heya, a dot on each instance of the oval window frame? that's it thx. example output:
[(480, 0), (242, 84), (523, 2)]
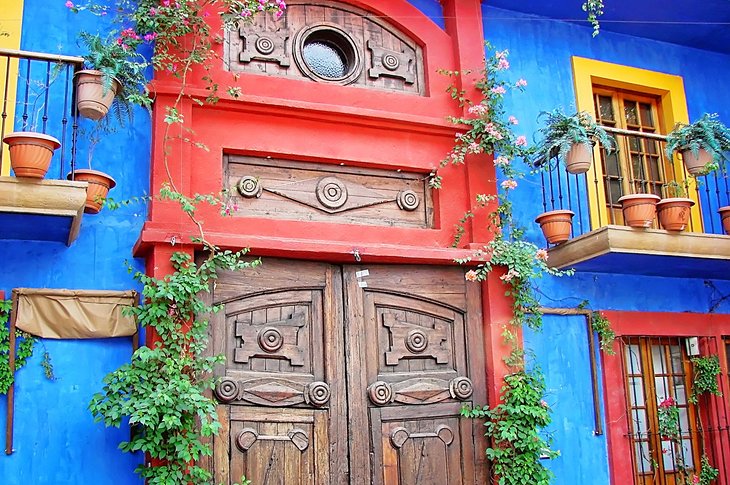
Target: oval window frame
[(344, 42)]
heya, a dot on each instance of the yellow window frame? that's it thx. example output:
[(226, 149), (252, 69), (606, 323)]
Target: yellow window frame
[(11, 24), (673, 106)]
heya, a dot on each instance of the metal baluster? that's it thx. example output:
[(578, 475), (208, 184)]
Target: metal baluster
[(4, 114), (25, 99), (47, 88), (552, 189), (542, 181)]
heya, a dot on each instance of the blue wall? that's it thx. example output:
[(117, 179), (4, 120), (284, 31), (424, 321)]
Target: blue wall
[(540, 51), (56, 439)]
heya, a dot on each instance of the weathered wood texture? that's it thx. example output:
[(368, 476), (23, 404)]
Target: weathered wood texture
[(302, 191), (386, 58), (374, 393)]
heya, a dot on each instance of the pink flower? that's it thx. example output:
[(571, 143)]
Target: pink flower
[(498, 90), (667, 403), (503, 64), (501, 161), (150, 37), (474, 147), (521, 83), (165, 3), (695, 479), (543, 404), (471, 275), (510, 274), (513, 120), (459, 136), (478, 109), (501, 54), (521, 141), (69, 4), (509, 184), (153, 11), (541, 254)]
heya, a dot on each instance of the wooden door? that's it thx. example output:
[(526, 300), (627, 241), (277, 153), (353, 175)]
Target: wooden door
[(335, 376)]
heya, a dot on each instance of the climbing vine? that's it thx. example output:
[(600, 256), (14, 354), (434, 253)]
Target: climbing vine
[(24, 344), (606, 335), (515, 425), (705, 371), (594, 9)]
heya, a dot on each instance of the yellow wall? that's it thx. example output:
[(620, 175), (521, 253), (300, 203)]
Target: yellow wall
[(11, 20), (669, 88)]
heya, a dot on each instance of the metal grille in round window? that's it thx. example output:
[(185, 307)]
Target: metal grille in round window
[(326, 53)]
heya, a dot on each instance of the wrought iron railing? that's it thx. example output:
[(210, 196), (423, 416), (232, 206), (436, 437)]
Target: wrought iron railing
[(639, 165), (38, 95)]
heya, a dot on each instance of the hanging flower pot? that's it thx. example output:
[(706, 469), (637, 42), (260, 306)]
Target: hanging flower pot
[(92, 99), (99, 186), (674, 213), (579, 158), (556, 225), (30, 152), (639, 209), (725, 216), (695, 164)]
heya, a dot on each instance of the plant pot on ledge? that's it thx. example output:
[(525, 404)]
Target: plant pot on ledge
[(30, 152), (725, 216), (99, 186), (674, 213), (639, 209), (556, 225), (93, 99)]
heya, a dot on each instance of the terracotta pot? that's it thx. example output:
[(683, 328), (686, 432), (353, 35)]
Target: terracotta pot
[(639, 209), (91, 100), (579, 158), (674, 213), (30, 153), (556, 225), (725, 216), (99, 186), (696, 164)]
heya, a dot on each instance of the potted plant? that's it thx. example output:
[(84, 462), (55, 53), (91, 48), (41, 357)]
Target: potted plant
[(674, 210), (556, 225), (701, 143), (725, 217), (99, 182), (639, 210), (571, 137), (114, 76)]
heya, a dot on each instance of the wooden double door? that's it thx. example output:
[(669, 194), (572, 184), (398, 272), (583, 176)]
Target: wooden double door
[(348, 375)]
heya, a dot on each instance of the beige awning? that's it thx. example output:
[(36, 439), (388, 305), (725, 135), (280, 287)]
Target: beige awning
[(74, 314)]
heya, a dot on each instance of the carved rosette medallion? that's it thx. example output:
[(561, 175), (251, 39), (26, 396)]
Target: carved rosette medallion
[(249, 187), (226, 390), (317, 393), (265, 45), (461, 388), (380, 393), (270, 339), (408, 200), (331, 192), (416, 341), (390, 62)]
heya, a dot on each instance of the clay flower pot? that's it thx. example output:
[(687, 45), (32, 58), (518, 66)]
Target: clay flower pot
[(725, 216), (579, 158), (556, 225), (30, 153), (674, 213), (99, 186), (91, 100), (696, 164), (639, 209)]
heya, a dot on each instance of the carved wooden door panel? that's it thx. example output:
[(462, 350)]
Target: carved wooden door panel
[(335, 377), (282, 390), (415, 355)]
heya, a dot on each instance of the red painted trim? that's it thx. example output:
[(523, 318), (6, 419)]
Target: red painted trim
[(657, 324)]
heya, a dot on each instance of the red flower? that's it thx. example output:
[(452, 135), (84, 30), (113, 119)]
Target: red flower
[(667, 403)]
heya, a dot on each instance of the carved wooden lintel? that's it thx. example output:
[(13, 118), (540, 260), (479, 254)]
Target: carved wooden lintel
[(400, 435), (420, 390), (272, 392), (264, 46), (387, 62), (248, 436)]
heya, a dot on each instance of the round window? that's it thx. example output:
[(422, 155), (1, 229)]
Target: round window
[(326, 53)]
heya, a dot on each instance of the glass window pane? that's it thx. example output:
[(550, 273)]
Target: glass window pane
[(611, 164), (683, 421), (635, 144), (647, 119), (680, 394), (640, 423), (687, 450), (651, 147), (643, 458), (662, 389), (630, 113), (636, 391), (675, 352), (653, 166), (633, 361), (638, 169), (616, 192), (605, 108), (668, 455)]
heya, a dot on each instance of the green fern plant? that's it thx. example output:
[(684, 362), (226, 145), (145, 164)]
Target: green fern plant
[(118, 61), (707, 133), (561, 131)]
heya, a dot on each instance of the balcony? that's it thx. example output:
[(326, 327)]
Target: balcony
[(38, 95), (600, 242)]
